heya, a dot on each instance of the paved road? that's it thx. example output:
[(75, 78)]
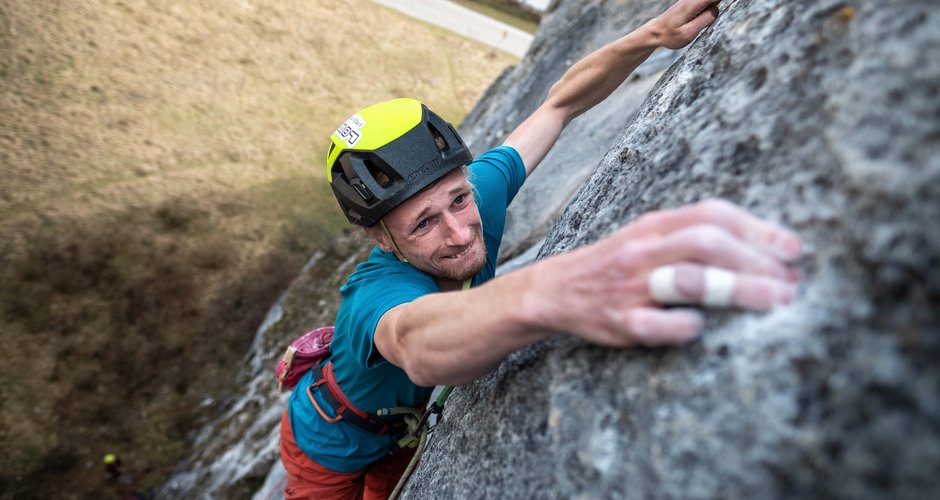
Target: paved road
[(465, 22)]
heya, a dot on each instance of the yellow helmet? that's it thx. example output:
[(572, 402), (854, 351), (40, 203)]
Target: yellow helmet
[(387, 152)]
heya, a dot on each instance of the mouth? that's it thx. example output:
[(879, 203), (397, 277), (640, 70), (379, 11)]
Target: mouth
[(462, 253)]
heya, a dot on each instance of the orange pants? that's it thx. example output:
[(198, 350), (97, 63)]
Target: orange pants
[(308, 479)]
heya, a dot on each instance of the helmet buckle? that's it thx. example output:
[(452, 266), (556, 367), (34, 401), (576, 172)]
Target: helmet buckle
[(361, 188)]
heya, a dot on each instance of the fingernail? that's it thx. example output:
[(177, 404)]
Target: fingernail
[(789, 246)]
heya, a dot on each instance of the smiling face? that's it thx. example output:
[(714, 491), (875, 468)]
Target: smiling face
[(439, 230)]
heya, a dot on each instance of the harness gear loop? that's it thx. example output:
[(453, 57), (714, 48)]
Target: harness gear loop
[(325, 380)]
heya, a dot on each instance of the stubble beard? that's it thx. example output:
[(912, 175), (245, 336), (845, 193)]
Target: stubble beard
[(470, 270)]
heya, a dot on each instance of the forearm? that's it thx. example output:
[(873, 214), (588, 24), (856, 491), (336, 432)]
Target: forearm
[(457, 337), (593, 78), (596, 76), (587, 83)]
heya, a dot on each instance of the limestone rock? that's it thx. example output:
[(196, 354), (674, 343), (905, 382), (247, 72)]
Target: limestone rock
[(821, 114), (565, 35)]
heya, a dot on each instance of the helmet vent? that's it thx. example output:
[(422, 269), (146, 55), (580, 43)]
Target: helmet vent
[(332, 147), (438, 138), (381, 178)]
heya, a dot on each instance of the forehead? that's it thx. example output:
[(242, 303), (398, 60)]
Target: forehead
[(438, 193)]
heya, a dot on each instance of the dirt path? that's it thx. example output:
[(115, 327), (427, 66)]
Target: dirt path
[(465, 22)]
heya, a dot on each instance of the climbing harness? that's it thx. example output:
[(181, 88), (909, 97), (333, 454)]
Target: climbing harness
[(410, 423), (325, 380)]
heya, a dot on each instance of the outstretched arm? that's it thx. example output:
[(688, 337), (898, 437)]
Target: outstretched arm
[(607, 293), (596, 76)]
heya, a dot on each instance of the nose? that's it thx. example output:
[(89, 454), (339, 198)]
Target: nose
[(456, 232)]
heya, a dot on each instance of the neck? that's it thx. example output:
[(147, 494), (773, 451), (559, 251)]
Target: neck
[(451, 285), (448, 285)]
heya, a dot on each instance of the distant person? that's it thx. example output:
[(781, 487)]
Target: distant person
[(425, 309), (113, 466)]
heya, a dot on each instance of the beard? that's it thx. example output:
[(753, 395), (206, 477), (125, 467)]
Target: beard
[(470, 268)]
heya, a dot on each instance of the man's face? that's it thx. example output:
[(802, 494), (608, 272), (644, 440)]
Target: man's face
[(439, 229)]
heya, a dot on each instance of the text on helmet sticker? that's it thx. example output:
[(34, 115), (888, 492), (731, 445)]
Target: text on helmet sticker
[(350, 131)]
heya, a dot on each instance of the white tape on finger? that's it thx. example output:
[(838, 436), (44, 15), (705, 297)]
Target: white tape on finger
[(662, 285), (719, 287)]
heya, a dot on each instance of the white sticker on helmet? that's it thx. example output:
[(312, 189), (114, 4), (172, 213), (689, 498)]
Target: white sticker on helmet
[(350, 131)]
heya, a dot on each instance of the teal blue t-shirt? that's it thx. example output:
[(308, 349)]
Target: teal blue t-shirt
[(377, 285)]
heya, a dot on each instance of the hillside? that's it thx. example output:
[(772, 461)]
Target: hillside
[(161, 185)]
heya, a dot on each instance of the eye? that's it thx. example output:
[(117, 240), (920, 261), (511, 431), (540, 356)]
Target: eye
[(422, 225), (460, 200)]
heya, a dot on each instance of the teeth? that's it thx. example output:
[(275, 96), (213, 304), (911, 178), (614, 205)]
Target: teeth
[(461, 254)]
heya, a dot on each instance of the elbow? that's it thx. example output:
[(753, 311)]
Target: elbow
[(419, 372), (413, 359)]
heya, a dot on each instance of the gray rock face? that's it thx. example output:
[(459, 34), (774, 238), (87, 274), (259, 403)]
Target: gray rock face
[(821, 114), (566, 35)]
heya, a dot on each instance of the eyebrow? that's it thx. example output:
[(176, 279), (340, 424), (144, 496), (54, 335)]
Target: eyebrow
[(453, 192)]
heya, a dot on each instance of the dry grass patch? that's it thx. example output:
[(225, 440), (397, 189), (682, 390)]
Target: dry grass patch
[(162, 181)]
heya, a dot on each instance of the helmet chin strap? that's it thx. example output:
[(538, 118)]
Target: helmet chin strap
[(401, 256), (398, 253)]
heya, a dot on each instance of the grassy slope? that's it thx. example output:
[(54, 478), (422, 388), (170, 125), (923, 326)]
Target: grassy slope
[(161, 183)]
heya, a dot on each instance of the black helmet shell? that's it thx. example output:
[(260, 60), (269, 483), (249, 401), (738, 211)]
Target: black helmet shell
[(384, 154)]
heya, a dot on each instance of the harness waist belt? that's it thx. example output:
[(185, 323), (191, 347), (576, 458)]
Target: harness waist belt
[(343, 407)]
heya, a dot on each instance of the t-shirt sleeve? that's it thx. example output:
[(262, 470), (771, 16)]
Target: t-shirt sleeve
[(497, 175), (371, 296)]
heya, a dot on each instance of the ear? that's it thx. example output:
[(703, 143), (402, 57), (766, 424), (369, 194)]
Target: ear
[(376, 234), (382, 241)]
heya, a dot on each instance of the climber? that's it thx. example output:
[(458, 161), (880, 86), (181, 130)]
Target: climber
[(113, 466), (425, 309)]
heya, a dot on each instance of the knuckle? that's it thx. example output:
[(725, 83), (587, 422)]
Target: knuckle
[(651, 219), (715, 208), (636, 252), (708, 239)]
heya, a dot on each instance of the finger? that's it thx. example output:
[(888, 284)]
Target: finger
[(773, 238), (701, 21), (653, 327), (714, 287), (713, 245), (691, 8)]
